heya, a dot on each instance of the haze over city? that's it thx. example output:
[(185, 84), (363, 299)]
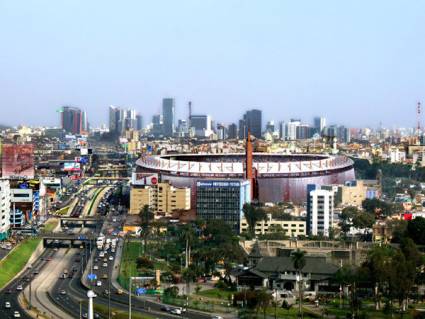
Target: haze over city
[(358, 63)]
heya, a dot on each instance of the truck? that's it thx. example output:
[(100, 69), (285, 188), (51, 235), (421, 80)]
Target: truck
[(100, 241)]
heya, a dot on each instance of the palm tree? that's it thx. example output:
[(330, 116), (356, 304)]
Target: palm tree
[(298, 260), (146, 216), (187, 234)]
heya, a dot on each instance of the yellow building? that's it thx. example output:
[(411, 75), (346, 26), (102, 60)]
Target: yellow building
[(162, 198), (293, 228), (353, 195)]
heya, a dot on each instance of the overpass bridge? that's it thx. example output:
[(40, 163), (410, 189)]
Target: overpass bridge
[(55, 240), (74, 222)]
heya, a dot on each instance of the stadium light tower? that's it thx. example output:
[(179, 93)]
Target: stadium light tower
[(90, 295)]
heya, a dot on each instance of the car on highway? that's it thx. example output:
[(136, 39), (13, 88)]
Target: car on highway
[(19, 288), (105, 260), (176, 311), (7, 305), (216, 317), (95, 267), (62, 292), (105, 265), (99, 283), (16, 314), (165, 308), (105, 276), (111, 258)]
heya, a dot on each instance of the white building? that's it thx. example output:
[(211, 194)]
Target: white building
[(4, 209), (291, 129), (320, 212), (397, 156)]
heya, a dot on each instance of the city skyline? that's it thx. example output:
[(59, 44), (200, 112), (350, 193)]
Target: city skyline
[(349, 62)]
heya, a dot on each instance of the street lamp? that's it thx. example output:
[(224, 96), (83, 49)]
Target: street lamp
[(90, 295)]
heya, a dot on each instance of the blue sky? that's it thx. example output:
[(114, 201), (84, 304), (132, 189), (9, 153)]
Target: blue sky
[(356, 62)]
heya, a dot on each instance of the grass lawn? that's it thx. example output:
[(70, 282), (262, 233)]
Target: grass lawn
[(16, 260), (215, 293), (50, 225), (62, 211), (131, 250)]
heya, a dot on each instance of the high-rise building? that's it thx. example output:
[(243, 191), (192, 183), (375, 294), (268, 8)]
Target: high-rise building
[(139, 122), (4, 209), (340, 132), (168, 110), (282, 130), (222, 199), (72, 120), (270, 127), (157, 125), (232, 131), (319, 124), (291, 129), (201, 125), (320, 210), (252, 121), (121, 120), (303, 132), (162, 198)]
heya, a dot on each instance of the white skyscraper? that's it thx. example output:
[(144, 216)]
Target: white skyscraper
[(321, 209), (291, 129)]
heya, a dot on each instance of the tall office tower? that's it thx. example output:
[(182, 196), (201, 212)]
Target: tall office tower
[(201, 125), (157, 125), (182, 128), (221, 131), (232, 131), (291, 129), (168, 110), (71, 120), (223, 200), (114, 117), (4, 209), (84, 122), (282, 130), (319, 124), (139, 122), (320, 209), (252, 120), (303, 132), (270, 127)]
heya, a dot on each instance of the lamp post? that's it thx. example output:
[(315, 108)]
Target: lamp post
[(90, 295)]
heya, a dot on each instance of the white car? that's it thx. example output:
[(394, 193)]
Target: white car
[(176, 311), (99, 283), (105, 265), (19, 288), (95, 267), (111, 257), (7, 305), (16, 314)]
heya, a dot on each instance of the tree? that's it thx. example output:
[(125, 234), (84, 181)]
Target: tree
[(187, 234), (416, 230), (263, 300), (299, 261), (253, 215), (346, 218), (363, 220), (146, 216)]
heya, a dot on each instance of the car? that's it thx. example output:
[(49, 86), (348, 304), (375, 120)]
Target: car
[(19, 288), (165, 308), (85, 315), (9, 291), (111, 257), (99, 283), (216, 317), (105, 265), (176, 311), (106, 292), (7, 305), (62, 292), (105, 259), (119, 292), (95, 267), (105, 276), (16, 314)]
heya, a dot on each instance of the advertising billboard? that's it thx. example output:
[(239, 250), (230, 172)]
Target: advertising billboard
[(18, 161), (144, 179), (71, 166)]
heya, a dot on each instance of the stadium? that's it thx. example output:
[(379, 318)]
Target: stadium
[(279, 177)]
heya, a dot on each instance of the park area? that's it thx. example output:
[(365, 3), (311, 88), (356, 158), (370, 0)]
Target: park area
[(15, 261)]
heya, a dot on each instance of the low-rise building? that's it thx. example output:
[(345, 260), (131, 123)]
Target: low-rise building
[(292, 228)]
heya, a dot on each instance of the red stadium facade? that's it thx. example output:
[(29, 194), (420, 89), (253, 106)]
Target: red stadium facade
[(278, 177)]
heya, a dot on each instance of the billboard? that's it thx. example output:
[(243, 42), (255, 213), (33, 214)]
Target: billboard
[(144, 179), (18, 161), (71, 166)]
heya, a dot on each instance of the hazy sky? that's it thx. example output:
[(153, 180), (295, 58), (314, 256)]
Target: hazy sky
[(355, 62)]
